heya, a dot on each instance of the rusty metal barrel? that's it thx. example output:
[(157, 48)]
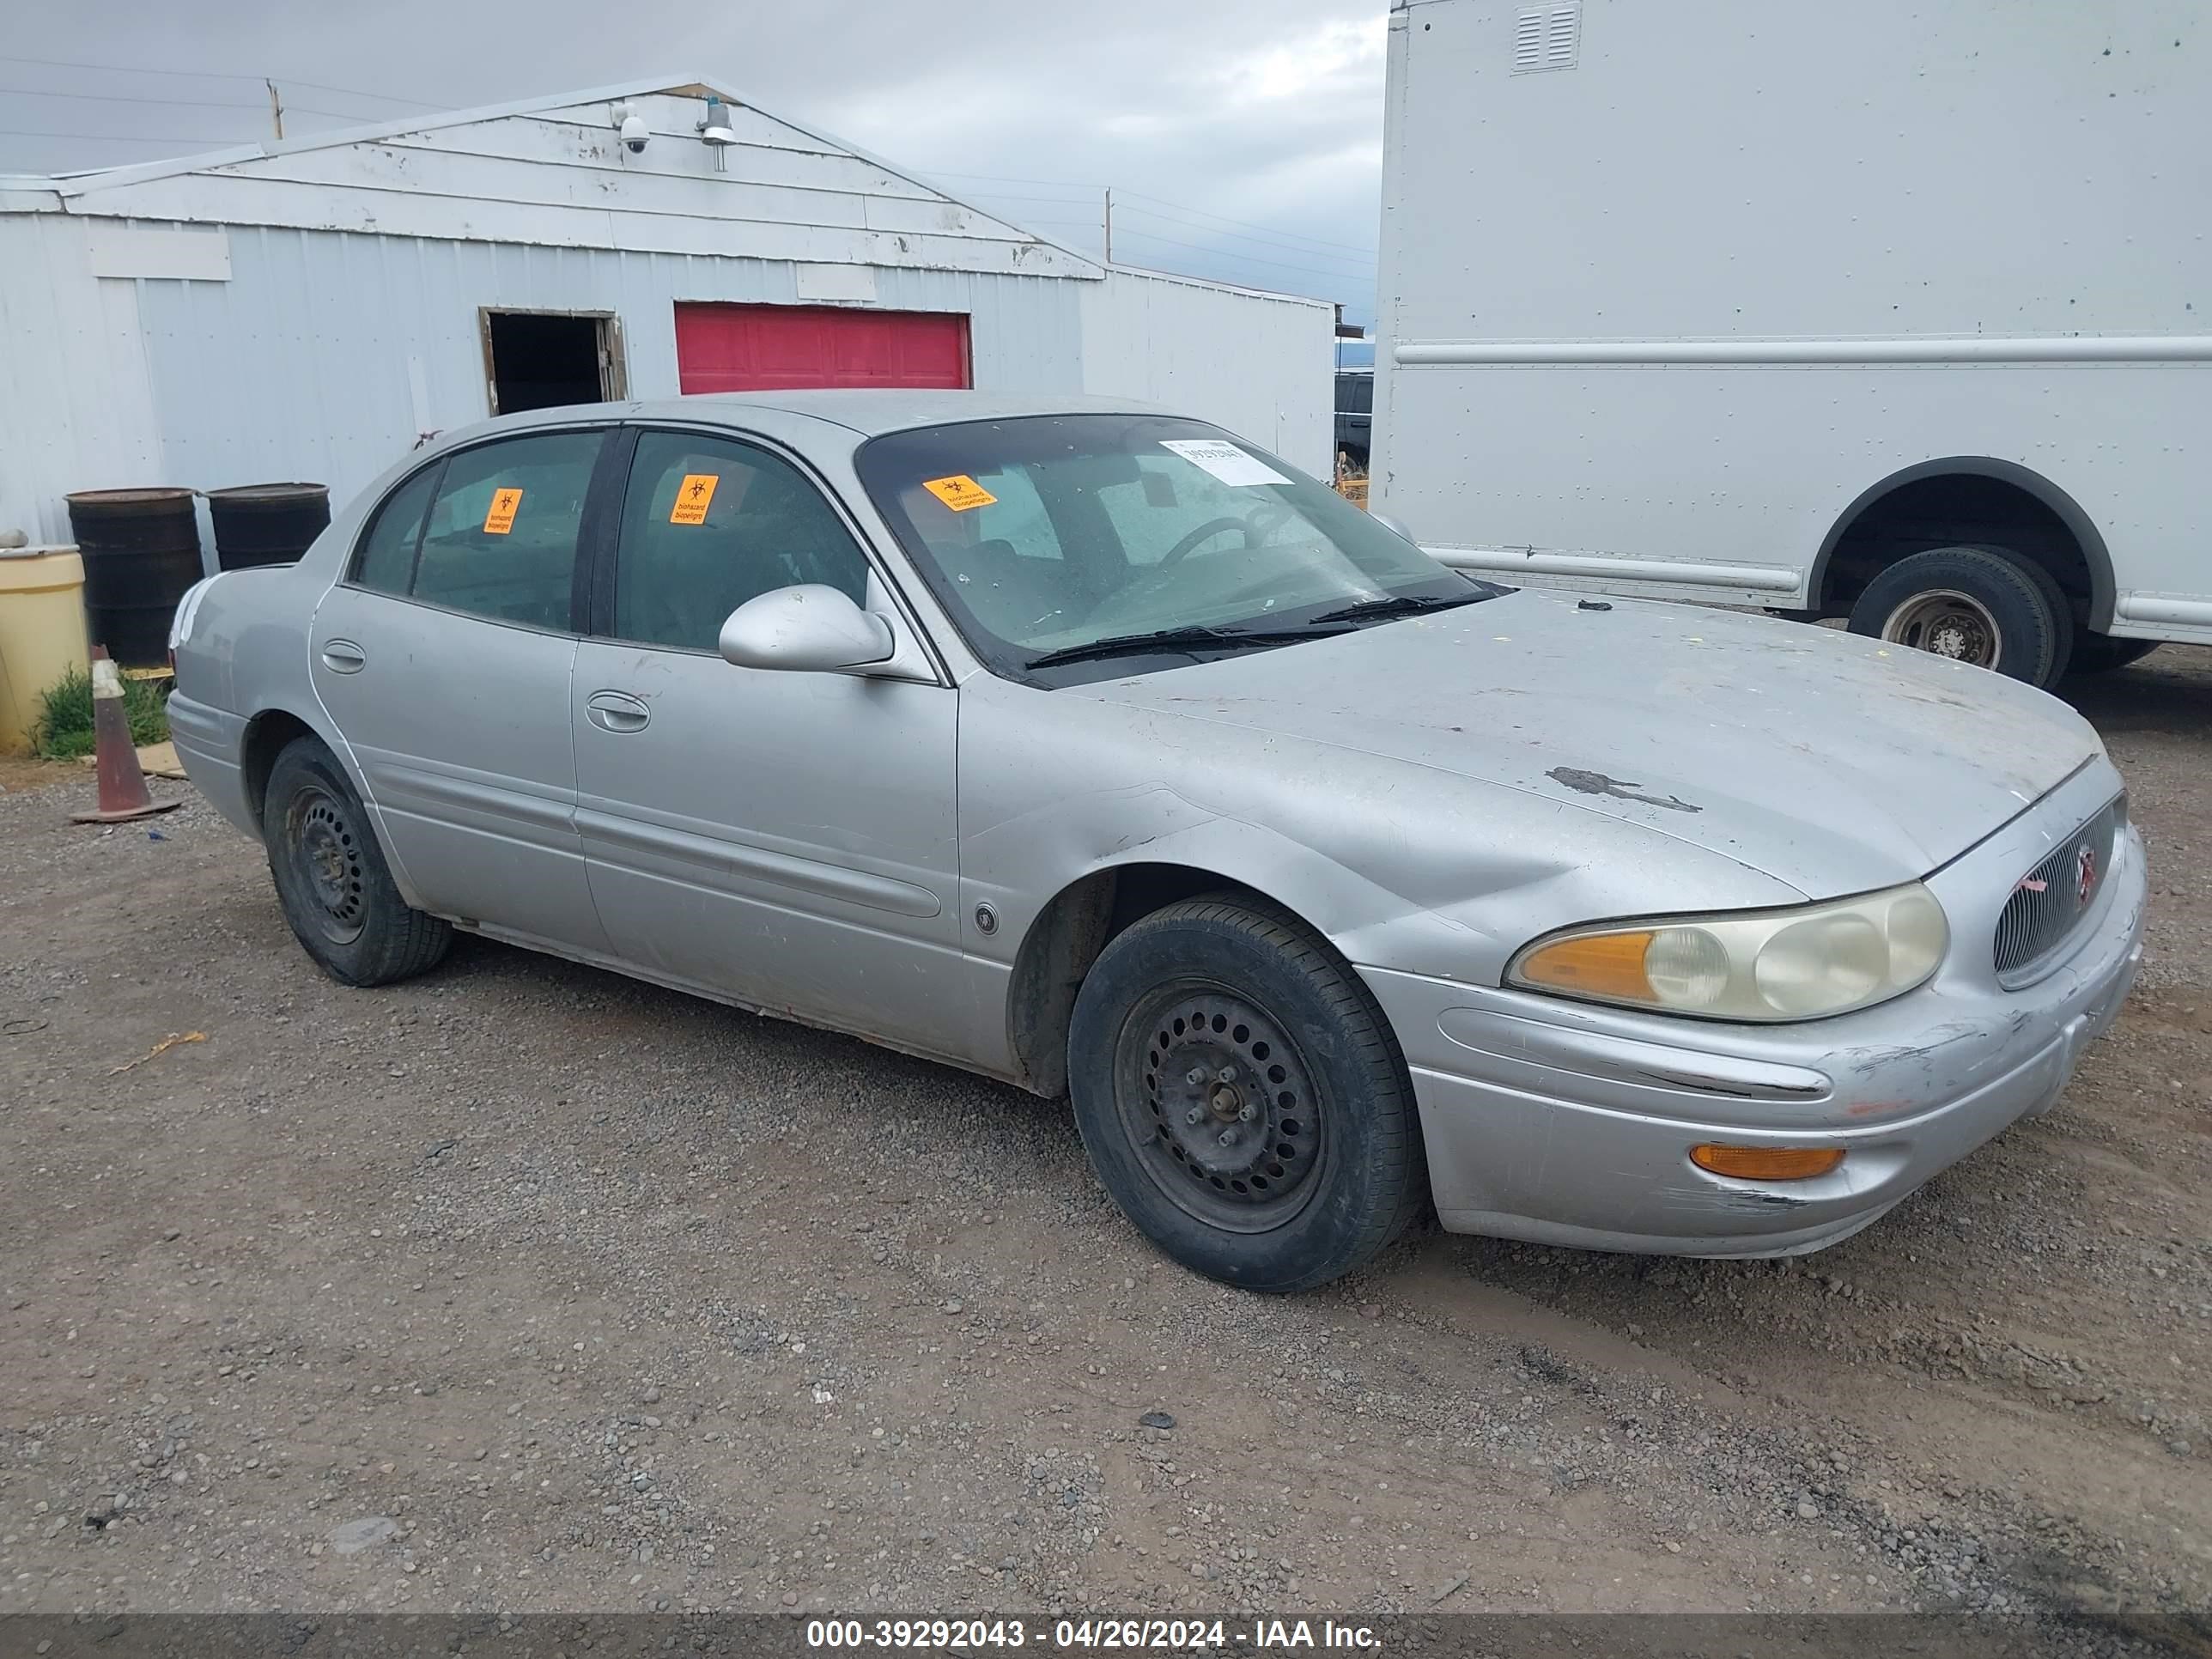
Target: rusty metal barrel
[(141, 551), (266, 524)]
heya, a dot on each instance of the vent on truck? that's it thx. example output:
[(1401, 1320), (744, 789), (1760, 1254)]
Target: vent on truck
[(1546, 37)]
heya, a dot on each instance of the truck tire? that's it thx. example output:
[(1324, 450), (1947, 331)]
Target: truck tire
[(332, 882), (2100, 653), (1983, 605), (1241, 1096)]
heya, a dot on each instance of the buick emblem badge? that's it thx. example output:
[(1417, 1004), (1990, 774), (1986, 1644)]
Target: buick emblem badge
[(2085, 868)]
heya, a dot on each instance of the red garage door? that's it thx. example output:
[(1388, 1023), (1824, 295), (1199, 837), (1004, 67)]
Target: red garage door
[(775, 348)]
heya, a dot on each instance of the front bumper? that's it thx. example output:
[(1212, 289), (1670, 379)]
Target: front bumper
[(1567, 1123)]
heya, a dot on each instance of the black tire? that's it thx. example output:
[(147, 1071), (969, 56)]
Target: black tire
[(2013, 617), (1323, 1164), (2100, 653), (2062, 659), (332, 880)]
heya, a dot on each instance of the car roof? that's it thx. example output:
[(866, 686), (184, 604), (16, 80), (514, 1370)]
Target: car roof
[(864, 413), (872, 410)]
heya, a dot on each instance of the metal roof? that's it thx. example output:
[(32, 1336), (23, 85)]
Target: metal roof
[(76, 183), (21, 192)]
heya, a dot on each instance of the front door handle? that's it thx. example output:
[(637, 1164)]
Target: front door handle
[(344, 657), (617, 711)]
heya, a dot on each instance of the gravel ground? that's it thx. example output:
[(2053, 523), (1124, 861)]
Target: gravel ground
[(523, 1287)]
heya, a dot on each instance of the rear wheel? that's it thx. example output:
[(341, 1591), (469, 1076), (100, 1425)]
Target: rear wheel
[(1242, 1097), (1976, 605), (2100, 653), (332, 882)]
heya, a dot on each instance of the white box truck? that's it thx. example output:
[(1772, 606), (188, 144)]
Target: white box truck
[(1898, 311)]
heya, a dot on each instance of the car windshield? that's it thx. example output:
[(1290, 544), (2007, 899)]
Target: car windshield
[(1070, 546)]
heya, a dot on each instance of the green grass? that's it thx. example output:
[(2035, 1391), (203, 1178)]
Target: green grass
[(64, 727)]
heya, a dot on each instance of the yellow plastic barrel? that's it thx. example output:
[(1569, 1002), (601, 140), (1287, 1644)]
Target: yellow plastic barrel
[(41, 633)]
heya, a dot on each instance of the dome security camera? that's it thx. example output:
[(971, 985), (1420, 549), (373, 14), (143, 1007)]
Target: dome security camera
[(634, 134)]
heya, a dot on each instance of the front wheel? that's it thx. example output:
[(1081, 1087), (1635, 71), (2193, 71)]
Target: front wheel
[(332, 880), (1242, 1098), (1976, 605)]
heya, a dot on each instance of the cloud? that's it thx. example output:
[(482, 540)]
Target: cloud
[(1264, 111), (1337, 54)]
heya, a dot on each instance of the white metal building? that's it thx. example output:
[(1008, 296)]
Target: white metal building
[(304, 310)]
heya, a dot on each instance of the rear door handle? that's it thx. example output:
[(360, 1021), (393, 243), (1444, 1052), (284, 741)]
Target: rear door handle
[(344, 657), (617, 711)]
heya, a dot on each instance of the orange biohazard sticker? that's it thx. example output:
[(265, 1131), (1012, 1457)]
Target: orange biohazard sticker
[(500, 518), (959, 492), (693, 497)]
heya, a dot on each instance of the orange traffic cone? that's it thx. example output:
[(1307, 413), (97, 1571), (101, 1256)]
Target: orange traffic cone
[(122, 785)]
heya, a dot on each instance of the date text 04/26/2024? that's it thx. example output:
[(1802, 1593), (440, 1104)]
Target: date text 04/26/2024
[(1164, 1635)]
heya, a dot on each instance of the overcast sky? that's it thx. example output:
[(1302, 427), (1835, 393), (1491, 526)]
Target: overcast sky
[(1242, 137)]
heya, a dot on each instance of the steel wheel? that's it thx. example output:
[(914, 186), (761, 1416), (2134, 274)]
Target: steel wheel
[(336, 890), (1945, 622), (325, 854), (1220, 1106), (1297, 1166)]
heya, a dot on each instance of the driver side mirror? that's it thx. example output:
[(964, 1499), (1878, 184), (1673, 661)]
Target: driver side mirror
[(1397, 526), (810, 628)]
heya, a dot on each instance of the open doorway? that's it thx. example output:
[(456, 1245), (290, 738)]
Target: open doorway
[(543, 359)]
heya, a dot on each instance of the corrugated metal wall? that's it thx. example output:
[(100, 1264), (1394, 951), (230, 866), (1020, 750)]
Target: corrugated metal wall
[(332, 315), (326, 353), (77, 405), (1260, 365)]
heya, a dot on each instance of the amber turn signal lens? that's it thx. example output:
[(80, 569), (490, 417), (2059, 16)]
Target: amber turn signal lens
[(1767, 1162), (1596, 966)]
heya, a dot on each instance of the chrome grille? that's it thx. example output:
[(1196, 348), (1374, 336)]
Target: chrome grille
[(2049, 902)]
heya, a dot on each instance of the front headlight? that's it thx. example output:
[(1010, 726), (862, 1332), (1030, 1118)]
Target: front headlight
[(1772, 965)]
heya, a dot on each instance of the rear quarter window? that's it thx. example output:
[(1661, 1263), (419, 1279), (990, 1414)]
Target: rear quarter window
[(386, 560)]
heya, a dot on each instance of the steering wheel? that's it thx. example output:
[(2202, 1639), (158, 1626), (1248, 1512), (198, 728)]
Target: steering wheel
[(1255, 525), (1211, 527)]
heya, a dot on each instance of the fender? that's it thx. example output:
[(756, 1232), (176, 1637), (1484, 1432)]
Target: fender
[(2078, 523), (1058, 939), (312, 714)]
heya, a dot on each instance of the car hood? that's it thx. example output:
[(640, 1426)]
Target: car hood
[(1831, 762)]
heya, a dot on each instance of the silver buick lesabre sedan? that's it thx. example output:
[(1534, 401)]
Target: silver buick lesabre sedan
[(1095, 748)]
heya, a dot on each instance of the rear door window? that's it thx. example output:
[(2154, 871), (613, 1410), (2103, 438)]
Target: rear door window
[(500, 541)]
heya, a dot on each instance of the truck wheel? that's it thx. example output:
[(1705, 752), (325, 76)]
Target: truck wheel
[(332, 880), (1242, 1098), (1979, 605), (2100, 653)]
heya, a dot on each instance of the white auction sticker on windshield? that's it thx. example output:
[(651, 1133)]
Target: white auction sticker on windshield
[(1225, 461)]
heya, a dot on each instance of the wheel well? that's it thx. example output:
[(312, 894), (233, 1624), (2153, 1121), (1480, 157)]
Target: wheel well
[(1066, 937), (266, 737), (1972, 503)]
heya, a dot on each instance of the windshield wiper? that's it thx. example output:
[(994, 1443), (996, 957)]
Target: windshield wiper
[(1180, 639), (1398, 604)]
